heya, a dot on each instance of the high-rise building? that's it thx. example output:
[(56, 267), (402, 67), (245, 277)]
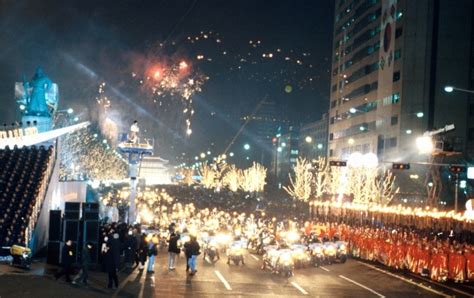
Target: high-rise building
[(285, 154), (260, 130), (314, 139), (391, 62)]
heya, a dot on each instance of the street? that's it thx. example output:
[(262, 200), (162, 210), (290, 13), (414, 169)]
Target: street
[(352, 279)]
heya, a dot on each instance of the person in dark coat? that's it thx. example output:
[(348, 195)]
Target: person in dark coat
[(143, 251), (192, 249), (173, 250), (67, 259), (137, 248), (86, 261), (130, 249), (115, 245), (111, 267)]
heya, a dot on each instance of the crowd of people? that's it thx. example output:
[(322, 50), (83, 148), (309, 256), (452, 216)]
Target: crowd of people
[(436, 255), (439, 253)]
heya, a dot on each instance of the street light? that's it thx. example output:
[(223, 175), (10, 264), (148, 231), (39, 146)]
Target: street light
[(70, 111), (350, 141), (320, 146), (231, 154), (247, 147), (308, 139), (450, 89), (202, 155), (420, 115)]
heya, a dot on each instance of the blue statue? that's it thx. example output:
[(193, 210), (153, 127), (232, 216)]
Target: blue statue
[(36, 101)]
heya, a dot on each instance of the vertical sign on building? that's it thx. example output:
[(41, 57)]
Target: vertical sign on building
[(386, 58), (387, 49)]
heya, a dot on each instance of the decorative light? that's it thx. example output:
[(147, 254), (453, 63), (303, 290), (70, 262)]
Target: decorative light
[(420, 114), (22, 107), (279, 149), (189, 131), (231, 154), (247, 147), (320, 146), (308, 139), (352, 110), (408, 131), (283, 144), (202, 155), (350, 141), (70, 111)]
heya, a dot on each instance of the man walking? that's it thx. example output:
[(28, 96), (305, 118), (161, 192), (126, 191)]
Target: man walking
[(67, 259), (192, 249), (111, 267), (85, 263), (173, 250)]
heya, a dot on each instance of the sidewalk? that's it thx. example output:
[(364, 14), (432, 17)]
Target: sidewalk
[(39, 281)]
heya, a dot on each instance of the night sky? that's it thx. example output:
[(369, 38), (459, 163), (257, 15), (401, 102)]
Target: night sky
[(244, 50)]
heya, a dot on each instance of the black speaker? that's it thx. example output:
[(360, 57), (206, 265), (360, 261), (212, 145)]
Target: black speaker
[(55, 225), (71, 230), (90, 207), (54, 249), (91, 231), (72, 210)]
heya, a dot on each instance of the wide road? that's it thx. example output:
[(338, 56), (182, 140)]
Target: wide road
[(352, 279)]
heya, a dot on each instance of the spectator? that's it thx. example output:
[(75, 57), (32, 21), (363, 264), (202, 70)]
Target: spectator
[(130, 249), (111, 267), (85, 263), (173, 250), (115, 245), (143, 251), (67, 259), (152, 252), (192, 249)]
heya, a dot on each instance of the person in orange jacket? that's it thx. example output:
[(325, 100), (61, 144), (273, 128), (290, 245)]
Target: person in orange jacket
[(439, 265), (456, 265), (469, 254), (424, 259)]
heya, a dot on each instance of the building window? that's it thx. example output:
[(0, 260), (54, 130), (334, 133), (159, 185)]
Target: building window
[(333, 104), (331, 136), (398, 32), (396, 76), (398, 54), (331, 152), (334, 87), (471, 110), (394, 120), (395, 97)]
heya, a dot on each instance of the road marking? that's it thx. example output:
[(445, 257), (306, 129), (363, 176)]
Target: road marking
[(207, 260), (297, 286), (362, 286), (256, 258), (142, 282), (408, 281), (324, 268), (223, 280)]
